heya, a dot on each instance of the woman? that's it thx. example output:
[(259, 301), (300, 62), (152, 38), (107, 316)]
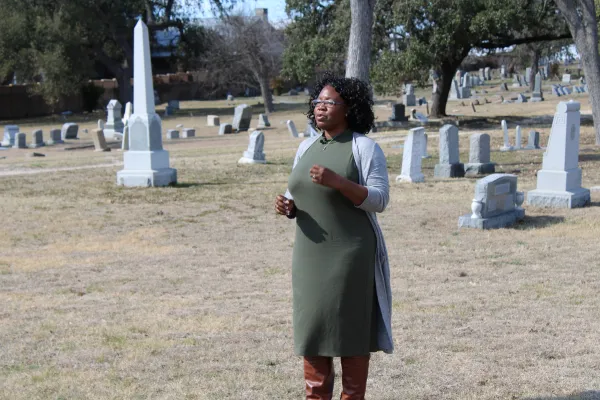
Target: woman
[(340, 271)]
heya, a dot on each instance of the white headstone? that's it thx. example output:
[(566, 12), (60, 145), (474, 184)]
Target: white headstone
[(411, 158), (10, 131), (566, 78), (479, 156), (172, 134), (69, 131), (518, 137), (188, 133), (254, 154), (114, 122), (263, 121), (506, 146), (145, 163), (292, 128), (99, 141), (212, 120), (559, 180), (537, 89)]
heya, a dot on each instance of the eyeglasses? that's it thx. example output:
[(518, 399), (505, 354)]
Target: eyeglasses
[(326, 103)]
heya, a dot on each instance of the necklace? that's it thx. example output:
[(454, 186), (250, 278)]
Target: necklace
[(327, 142)]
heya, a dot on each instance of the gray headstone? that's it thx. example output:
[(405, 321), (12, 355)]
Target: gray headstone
[(503, 72), (398, 112), (521, 98), (537, 90), (559, 180), (20, 141), (496, 203), (174, 104), (516, 81), (225, 128), (188, 133), (555, 91), (230, 97), (310, 130), (479, 156), (566, 78), (10, 131), (533, 141), (518, 138), (254, 154), (242, 118), (37, 139), (424, 153), (467, 80), (292, 128), (55, 137), (527, 75), (411, 158), (449, 165), (454, 90), (69, 131)]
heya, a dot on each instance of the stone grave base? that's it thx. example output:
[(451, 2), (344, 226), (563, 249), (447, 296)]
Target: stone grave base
[(534, 99), (407, 179), (449, 170), (531, 148), (161, 177), (498, 221), (246, 160), (571, 199), (476, 169), (509, 148)]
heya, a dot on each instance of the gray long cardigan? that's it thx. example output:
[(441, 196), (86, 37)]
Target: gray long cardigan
[(372, 171)]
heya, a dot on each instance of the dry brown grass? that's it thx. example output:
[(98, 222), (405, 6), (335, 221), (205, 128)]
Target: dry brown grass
[(184, 292)]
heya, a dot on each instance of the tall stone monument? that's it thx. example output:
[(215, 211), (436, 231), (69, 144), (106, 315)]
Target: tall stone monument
[(559, 180), (411, 158), (537, 89), (145, 163), (506, 146)]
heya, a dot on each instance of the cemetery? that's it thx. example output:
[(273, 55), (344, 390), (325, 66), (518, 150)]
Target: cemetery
[(142, 258)]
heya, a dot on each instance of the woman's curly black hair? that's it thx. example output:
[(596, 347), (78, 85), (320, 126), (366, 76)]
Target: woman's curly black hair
[(357, 97)]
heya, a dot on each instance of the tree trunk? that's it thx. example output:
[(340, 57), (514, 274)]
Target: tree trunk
[(535, 59), (440, 98), (125, 89), (265, 91), (581, 18), (359, 46)]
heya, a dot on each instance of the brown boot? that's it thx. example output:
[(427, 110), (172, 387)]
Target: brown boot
[(319, 375), (355, 371)]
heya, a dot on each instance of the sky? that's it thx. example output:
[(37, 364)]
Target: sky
[(276, 8)]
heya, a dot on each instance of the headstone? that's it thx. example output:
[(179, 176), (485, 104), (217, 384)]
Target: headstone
[(225, 128), (449, 165), (409, 99), (128, 112), (481, 74), (174, 104), (212, 120), (503, 72), (566, 78), (99, 141), (411, 158), (292, 128), (146, 163), (546, 71), (37, 139), (527, 75), (488, 73), (467, 80), (537, 89), (496, 203), (559, 180), (567, 90), (533, 141), (518, 137), (424, 153), (506, 146), (310, 130), (10, 131), (454, 90), (69, 131), (293, 92), (55, 137), (464, 92), (230, 97), (306, 91), (504, 87), (398, 111), (254, 154), (263, 121), (479, 156), (172, 134), (188, 133), (555, 91), (100, 124), (114, 122), (242, 118), (20, 141), (521, 98), (516, 81)]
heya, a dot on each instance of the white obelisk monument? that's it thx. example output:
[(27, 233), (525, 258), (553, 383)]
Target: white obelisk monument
[(145, 163)]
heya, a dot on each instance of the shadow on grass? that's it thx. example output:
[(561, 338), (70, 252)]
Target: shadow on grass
[(588, 395), (541, 221)]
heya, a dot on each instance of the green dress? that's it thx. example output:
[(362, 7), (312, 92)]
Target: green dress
[(333, 268)]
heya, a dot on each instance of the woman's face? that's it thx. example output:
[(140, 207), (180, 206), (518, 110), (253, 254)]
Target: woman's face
[(330, 116)]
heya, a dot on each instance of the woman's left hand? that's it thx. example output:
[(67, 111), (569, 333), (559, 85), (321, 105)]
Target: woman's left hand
[(325, 176)]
